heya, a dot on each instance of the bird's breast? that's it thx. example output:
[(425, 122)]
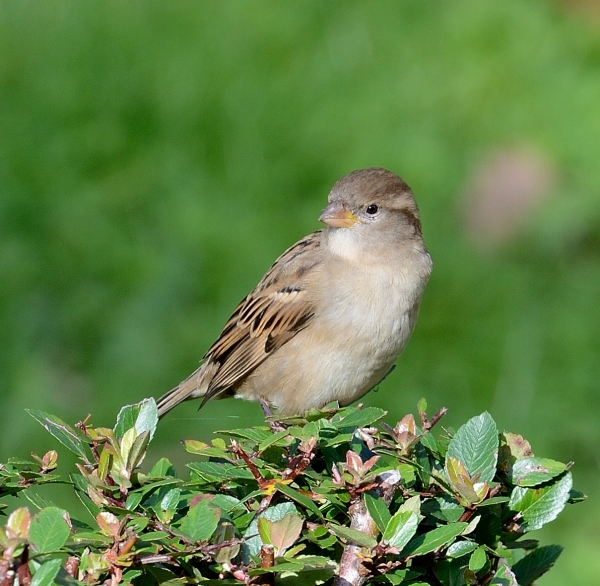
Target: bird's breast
[(375, 307), (364, 314)]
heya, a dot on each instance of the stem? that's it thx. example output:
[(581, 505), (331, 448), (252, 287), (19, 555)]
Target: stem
[(239, 452), (72, 566), (267, 560), (23, 572), (352, 571)]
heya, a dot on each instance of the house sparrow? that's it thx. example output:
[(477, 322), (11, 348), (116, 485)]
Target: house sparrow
[(331, 316)]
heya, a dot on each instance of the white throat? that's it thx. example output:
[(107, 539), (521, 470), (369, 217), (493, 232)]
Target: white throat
[(346, 243)]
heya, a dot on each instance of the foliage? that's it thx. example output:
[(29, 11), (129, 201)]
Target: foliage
[(157, 157), (338, 497)]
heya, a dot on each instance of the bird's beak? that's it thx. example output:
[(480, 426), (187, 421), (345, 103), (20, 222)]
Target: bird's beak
[(338, 216)]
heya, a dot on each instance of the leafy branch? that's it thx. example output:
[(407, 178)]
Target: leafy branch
[(337, 497)]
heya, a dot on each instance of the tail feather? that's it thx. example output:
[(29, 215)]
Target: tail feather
[(193, 387)]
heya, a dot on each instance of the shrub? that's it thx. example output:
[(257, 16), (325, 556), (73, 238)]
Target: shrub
[(336, 497)]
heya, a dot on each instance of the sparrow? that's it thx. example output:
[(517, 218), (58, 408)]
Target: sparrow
[(332, 314)]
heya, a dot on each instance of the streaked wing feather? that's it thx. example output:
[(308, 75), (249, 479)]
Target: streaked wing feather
[(271, 315)]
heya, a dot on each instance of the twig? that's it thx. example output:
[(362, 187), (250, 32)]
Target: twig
[(267, 556), (428, 424), (352, 571), (267, 560), (437, 417), (221, 545), (23, 572), (7, 578), (156, 559), (239, 452), (72, 566), (300, 463)]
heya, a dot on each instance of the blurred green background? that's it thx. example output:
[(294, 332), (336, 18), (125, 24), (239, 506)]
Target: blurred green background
[(156, 157)]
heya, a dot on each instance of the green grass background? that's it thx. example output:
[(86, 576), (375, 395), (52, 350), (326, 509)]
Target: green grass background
[(155, 157)]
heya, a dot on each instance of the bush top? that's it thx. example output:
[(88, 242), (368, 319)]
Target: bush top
[(337, 496)]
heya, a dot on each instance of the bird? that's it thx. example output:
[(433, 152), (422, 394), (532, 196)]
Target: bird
[(333, 313)]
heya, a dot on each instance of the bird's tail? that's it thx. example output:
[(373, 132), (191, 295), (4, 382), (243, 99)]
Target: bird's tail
[(193, 387)]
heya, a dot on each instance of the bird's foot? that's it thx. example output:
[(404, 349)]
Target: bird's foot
[(265, 407), (276, 426)]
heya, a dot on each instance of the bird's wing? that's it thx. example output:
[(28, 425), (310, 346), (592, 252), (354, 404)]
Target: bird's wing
[(278, 308)]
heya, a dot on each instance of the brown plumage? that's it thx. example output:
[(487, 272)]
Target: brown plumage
[(330, 317)]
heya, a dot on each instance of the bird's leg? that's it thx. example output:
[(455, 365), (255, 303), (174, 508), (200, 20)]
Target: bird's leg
[(275, 426), (265, 407)]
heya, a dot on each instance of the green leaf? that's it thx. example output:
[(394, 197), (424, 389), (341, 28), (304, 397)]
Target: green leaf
[(195, 446), (428, 440), (475, 445), (528, 569), (450, 572), (88, 536), (104, 464), (38, 501), (321, 537), (407, 473), (534, 471), (541, 505), (495, 500), (162, 468), (460, 548), (306, 432), (401, 528), (252, 541), (154, 536), (353, 535), (219, 471), (137, 453), (64, 433), (255, 434), (49, 530), (378, 510), (171, 499), (142, 416), (227, 503), (434, 539), (225, 532), (472, 525), (138, 524), (129, 575), (303, 570), (412, 504), (299, 498), (133, 500), (527, 544), (478, 560), (204, 449), (45, 574), (276, 437), (443, 508), (504, 577), (201, 521), (360, 418), (337, 439), (264, 529)]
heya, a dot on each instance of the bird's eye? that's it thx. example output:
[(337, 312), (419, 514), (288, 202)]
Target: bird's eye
[(372, 209)]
